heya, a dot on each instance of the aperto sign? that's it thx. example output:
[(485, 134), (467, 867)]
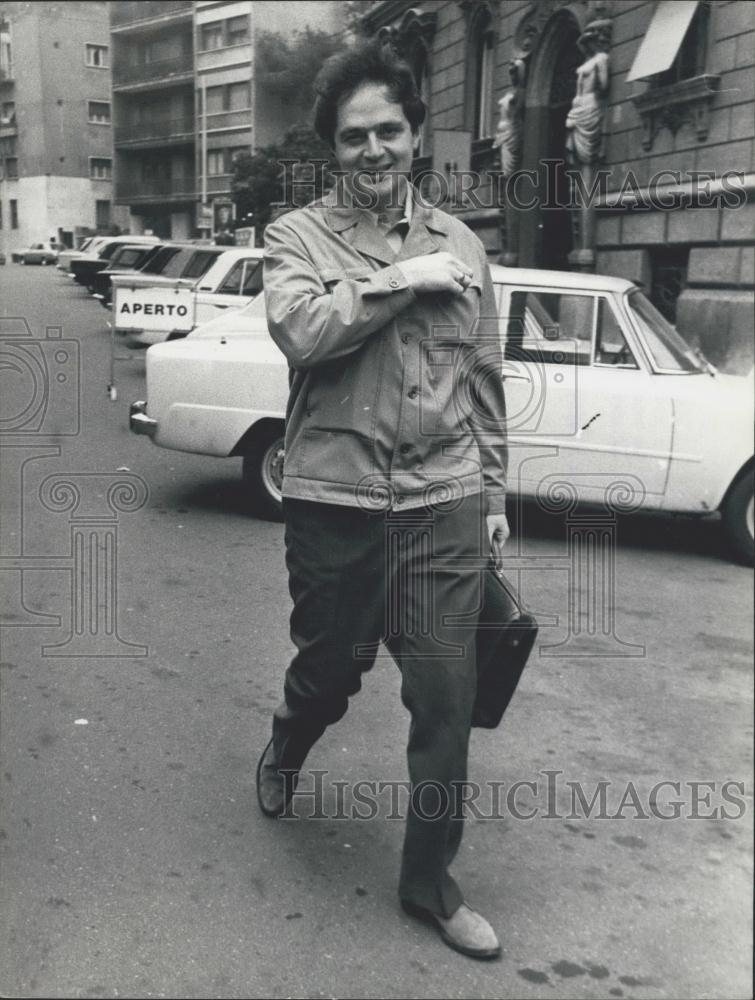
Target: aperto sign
[(166, 309)]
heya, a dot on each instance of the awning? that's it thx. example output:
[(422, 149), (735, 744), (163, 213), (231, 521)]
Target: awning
[(663, 39)]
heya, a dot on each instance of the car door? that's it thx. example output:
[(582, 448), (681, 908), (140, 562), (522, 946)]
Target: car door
[(241, 283), (582, 408)]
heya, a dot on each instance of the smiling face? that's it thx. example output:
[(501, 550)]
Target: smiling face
[(374, 145)]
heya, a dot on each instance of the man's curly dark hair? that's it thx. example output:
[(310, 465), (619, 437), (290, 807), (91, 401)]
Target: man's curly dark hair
[(371, 61)]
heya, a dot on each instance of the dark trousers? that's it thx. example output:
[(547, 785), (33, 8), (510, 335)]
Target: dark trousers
[(412, 580)]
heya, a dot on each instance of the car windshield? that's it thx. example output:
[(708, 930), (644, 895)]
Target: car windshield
[(668, 350)]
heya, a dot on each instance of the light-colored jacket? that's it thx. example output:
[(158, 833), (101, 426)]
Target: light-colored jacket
[(396, 399)]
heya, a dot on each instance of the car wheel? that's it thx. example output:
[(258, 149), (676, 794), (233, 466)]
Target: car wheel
[(738, 512), (262, 473)]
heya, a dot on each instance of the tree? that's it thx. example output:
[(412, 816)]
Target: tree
[(281, 176), (287, 67)]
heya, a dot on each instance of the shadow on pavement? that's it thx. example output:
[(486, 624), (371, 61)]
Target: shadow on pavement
[(653, 533)]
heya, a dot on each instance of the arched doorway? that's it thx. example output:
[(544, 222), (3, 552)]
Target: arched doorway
[(546, 231)]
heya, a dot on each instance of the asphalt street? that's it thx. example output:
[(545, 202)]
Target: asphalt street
[(135, 862)]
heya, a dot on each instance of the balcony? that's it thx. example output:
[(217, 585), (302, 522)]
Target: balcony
[(219, 184), (166, 191), (165, 131), (229, 119), (134, 14), (165, 70), (8, 127)]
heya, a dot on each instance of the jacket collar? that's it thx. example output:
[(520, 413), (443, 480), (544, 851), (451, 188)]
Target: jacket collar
[(359, 229)]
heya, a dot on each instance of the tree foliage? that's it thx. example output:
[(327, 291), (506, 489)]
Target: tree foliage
[(287, 67), (281, 176)]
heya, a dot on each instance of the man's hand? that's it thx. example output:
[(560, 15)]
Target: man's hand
[(498, 533), (436, 272)]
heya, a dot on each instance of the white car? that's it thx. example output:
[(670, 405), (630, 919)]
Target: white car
[(604, 399), (148, 309)]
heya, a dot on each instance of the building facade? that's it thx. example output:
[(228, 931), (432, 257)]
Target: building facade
[(55, 122), (186, 101), (615, 137)]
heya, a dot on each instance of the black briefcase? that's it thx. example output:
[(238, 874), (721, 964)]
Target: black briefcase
[(505, 636)]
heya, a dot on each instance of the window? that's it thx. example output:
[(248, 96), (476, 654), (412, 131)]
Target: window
[(611, 347), (100, 168), (484, 85), (215, 98), (6, 60), (211, 36), (231, 97), (238, 96), (97, 56), (200, 263), (7, 113), (237, 30), (480, 61), (102, 214), (11, 168), (550, 327), (215, 162), (244, 278), (668, 278), (690, 59), (673, 47), (13, 213), (1, 215), (99, 112)]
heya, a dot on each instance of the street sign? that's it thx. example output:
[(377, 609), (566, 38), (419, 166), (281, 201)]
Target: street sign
[(204, 216)]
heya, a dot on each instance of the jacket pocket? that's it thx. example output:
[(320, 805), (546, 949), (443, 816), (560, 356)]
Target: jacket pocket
[(342, 457)]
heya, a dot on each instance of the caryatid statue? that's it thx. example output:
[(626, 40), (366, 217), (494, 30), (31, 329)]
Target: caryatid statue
[(509, 130), (584, 122)]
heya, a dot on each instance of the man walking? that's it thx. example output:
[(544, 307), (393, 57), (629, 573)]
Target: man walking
[(394, 476)]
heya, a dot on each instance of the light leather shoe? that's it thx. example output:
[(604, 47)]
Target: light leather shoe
[(275, 788), (465, 931)]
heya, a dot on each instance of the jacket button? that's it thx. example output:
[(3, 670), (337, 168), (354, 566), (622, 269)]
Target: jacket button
[(413, 392), (405, 448), (394, 282), (405, 338)]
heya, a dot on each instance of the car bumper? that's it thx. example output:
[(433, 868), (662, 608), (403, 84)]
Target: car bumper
[(139, 422)]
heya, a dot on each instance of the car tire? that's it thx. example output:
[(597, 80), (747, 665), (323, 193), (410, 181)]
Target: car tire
[(737, 513), (262, 473)]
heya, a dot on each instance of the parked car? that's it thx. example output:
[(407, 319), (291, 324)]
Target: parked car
[(170, 261), (41, 253), (147, 311), (66, 256), (85, 267), (599, 389), (126, 260), (93, 245)]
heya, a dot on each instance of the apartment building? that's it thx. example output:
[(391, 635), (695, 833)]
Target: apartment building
[(55, 122), (656, 96), (186, 102)]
